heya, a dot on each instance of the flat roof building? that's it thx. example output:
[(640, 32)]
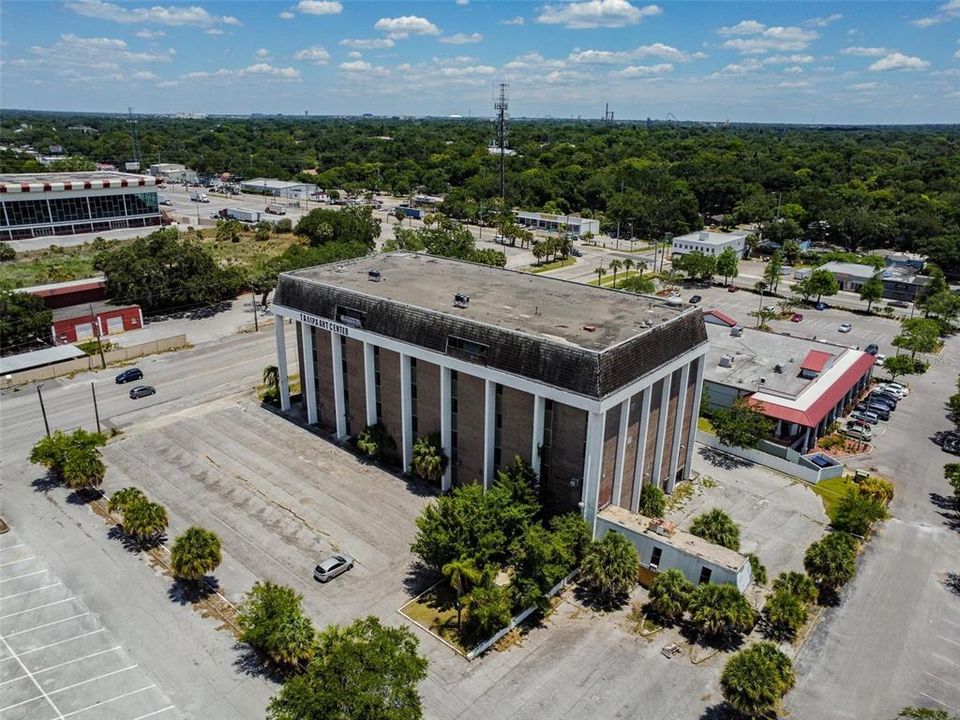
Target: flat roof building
[(558, 223), (710, 243), (49, 204), (900, 281), (173, 172), (599, 390), (278, 188)]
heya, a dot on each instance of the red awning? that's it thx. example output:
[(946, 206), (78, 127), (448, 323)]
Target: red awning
[(722, 317)]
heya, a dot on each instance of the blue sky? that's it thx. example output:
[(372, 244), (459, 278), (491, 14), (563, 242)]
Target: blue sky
[(807, 62)]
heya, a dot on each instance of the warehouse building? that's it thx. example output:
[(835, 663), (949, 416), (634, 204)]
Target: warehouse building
[(49, 204), (278, 188), (901, 281), (173, 172), (573, 224), (599, 390)]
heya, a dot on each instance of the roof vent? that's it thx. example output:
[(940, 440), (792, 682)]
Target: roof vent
[(461, 300), (590, 328), (726, 361), (704, 235), (663, 527), (778, 368), (373, 275)]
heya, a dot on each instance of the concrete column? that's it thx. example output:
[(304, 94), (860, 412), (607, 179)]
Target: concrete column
[(278, 327), (336, 355), (406, 412), (539, 409), (806, 442), (678, 428), (446, 439), (308, 383), (661, 429), (779, 430), (621, 450), (590, 487), (489, 429), (697, 398), (370, 382), (641, 448)]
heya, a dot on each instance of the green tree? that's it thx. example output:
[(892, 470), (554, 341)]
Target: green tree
[(796, 583), (872, 290), (615, 266), (271, 620), (791, 252), (696, 265), (144, 521), (718, 610), (741, 425), (757, 569), (429, 461), (122, 499), (461, 574), (490, 610), (24, 322), (771, 273), (195, 553), (820, 283), (572, 533), (354, 224), (83, 469), (728, 264), (271, 381), (876, 489), (918, 335), (609, 569), (228, 230), (653, 501), (951, 471), (832, 561), (755, 680), (784, 614), (899, 365), (856, 513), (717, 527), (670, 594), (601, 271), (638, 284), (56, 451)]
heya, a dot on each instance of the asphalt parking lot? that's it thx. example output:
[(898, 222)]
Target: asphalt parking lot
[(56, 660)]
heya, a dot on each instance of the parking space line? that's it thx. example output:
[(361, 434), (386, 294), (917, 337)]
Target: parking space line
[(75, 637), (949, 640), (93, 679), (14, 562), (155, 712), (11, 547), (55, 622), (18, 577), (117, 697), (60, 665), (27, 592), (952, 662), (38, 607), (941, 702), (945, 682), (43, 692)]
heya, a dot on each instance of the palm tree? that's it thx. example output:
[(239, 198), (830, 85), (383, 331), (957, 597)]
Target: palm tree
[(796, 583), (429, 462), (615, 265), (271, 379), (461, 573), (195, 553), (670, 594), (122, 499), (538, 251), (640, 266), (756, 679), (717, 527), (720, 609), (610, 567), (83, 469), (627, 265), (144, 521), (51, 453), (601, 271)]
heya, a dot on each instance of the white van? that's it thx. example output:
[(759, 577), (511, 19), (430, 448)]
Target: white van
[(197, 196)]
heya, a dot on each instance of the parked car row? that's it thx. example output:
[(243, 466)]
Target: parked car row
[(877, 406), (948, 442)]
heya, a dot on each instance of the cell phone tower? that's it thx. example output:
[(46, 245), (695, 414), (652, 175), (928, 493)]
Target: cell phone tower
[(133, 135), (500, 104)]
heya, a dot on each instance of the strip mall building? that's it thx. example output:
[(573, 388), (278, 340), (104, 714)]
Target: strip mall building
[(597, 389)]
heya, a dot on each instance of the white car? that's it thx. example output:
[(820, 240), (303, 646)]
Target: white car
[(845, 327), (893, 388), (879, 358)]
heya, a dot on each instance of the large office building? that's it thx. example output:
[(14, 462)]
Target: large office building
[(49, 204), (599, 390)]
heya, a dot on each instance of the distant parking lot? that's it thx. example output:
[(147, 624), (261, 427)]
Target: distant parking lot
[(56, 659)]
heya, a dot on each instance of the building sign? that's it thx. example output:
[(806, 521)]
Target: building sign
[(324, 324)]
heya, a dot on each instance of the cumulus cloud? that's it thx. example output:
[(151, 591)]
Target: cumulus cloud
[(174, 15), (462, 39), (354, 55), (956, 55), (788, 60), (863, 86), (899, 61), (320, 7), (255, 70), (611, 57), (286, 15), (262, 54), (823, 21), (401, 27), (534, 60), (864, 51), (362, 67), (150, 34), (317, 55), (596, 14), (748, 66), (639, 71), (213, 31), (754, 38), (518, 20), (945, 13), (71, 49), (368, 43), (143, 75), (467, 71)]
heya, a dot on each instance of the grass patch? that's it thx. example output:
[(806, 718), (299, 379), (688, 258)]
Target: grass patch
[(831, 491), (248, 253), (554, 265), (681, 493), (436, 611), (50, 265), (705, 425), (607, 280)]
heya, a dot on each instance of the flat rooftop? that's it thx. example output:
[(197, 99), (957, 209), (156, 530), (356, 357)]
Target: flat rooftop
[(273, 184), (561, 311), (709, 237), (756, 354), (38, 358), (84, 309), (58, 181)]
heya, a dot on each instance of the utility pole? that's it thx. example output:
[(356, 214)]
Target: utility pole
[(96, 330), (256, 322), (96, 410), (43, 410)]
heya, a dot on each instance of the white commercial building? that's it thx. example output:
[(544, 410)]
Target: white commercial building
[(278, 188), (709, 243), (558, 223)]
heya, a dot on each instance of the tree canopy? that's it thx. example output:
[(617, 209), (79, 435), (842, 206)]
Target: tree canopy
[(741, 425), (25, 322)]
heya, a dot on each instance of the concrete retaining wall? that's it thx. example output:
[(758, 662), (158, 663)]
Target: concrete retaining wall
[(92, 362), (805, 471)]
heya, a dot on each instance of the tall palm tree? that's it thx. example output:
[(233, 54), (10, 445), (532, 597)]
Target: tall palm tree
[(195, 553), (601, 271), (627, 266), (640, 266), (615, 265), (461, 574), (720, 609), (670, 594)]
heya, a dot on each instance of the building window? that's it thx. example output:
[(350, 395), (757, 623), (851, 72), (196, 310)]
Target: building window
[(376, 381), (547, 439), (498, 421), (467, 349), (413, 395), (346, 393), (705, 574), (453, 426), (315, 366), (655, 557)]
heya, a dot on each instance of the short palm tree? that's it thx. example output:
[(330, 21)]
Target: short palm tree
[(83, 469), (601, 271), (271, 379), (796, 583), (785, 614), (719, 609), (756, 679), (122, 499), (429, 462), (717, 527), (195, 553), (627, 266), (461, 573), (144, 520), (670, 594), (610, 567)]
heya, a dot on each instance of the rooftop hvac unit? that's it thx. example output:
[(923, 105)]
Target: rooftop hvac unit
[(373, 275), (778, 368), (726, 361), (461, 300)]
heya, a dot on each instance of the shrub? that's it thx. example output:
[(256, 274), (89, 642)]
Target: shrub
[(755, 680), (877, 489), (832, 561), (719, 610), (757, 569), (573, 533), (717, 527), (271, 620), (610, 568), (429, 462), (195, 553), (797, 584), (375, 441), (784, 614), (653, 502), (670, 594), (489, 611), (7, 253), (855, 513)]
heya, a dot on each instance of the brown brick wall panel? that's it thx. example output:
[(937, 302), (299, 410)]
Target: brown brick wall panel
[(673, 403), (326, 407), (391, 410), (566, 460), (608, 459), (428, 398), (653, 422), (689, 414), (356, 387), (516, 425), (470, 393), (630, 453)]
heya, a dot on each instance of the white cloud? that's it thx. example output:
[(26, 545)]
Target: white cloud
[(362, 67), (213, 31), (611, 57), (518, 20), (755, 38), (317, 55), (468, 71), (286, 15), (401, 27), (71, 49), (946, 12), (793, 85), (168, 83), (864, 51), (899, 61), (536, 61), (462, 39), (596, 14), (638, 71), (863, 86), (748, 66), (174, 15), (143, 75), (150, 34), (255, 70), (788, 60), (320, 7), (563, 77), (794, 70), (823, 21), (368, 43), (262, 54), (354, 55), (956, 55), (463, 2)]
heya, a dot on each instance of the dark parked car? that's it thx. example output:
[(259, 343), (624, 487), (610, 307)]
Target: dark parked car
[(881, 411), (952, 446), (882, 402), (695, 299), (129, 375), (331, 567), (142, 391), (576, 253), (873, 349), (821, 306), (888, 398)]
